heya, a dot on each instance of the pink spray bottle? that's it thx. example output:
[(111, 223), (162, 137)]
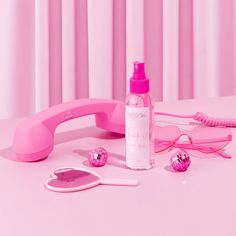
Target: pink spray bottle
[(138, 121)]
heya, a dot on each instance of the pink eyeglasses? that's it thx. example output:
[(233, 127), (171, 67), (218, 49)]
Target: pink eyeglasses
[(201, 138)]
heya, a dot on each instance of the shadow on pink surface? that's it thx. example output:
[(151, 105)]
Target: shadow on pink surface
[(194, 154), (114, 158), (84, 133), (68, 136)]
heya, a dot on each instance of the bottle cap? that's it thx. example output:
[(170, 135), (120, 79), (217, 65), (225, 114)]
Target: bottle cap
[(139, 83)]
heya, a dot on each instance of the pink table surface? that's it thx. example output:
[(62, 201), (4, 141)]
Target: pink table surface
[(201, 201)]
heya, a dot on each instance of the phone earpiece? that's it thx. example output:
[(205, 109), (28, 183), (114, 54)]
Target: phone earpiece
[(34, 136)]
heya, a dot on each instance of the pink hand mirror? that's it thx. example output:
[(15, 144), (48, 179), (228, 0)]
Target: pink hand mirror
[(73, 179)]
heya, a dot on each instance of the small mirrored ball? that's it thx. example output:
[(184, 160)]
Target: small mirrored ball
[(180, 161), (98, 157)]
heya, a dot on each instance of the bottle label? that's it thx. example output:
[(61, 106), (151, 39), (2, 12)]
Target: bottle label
[(137, 133)]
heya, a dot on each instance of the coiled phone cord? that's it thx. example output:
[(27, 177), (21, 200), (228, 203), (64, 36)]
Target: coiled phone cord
[(205, 119)]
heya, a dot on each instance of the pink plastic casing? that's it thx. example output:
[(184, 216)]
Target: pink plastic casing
[(34, 136)]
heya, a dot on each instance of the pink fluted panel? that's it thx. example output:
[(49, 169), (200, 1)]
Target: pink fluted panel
[(234, 48), (185, 49), (68, 50), (55, 51), (153, 45), (226, 22), (100, 48), (134, 35), (81, 49), (16, 58), (41, 55), (119, 50), (206, 48), (170, 49)]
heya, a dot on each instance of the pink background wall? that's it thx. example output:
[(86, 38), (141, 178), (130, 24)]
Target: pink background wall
[(58, 50)]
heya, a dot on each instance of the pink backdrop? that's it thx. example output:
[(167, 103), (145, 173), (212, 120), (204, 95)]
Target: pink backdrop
[(53, 51)]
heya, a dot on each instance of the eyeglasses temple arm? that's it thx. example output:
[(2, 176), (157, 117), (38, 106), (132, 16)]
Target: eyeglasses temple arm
[(219, 152)]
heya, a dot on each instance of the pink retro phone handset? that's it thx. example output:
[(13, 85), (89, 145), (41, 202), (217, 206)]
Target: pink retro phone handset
[(34, 136)]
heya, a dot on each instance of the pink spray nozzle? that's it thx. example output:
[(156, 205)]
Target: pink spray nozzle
[(139, 68), (139, 83)]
